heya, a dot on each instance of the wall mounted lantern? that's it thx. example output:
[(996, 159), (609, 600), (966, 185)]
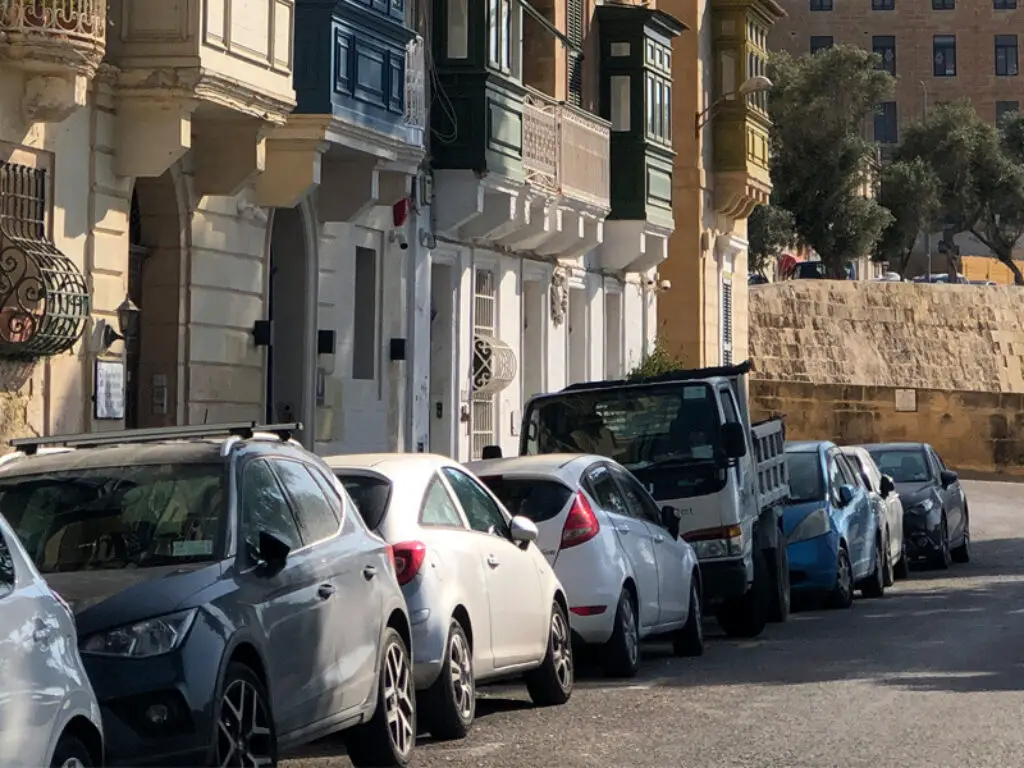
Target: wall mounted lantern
[(127, 324)]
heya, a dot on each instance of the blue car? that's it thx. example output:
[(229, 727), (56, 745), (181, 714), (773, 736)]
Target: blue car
[(835, 541)]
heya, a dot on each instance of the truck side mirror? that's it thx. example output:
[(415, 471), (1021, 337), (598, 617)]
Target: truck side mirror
[(734, 441)]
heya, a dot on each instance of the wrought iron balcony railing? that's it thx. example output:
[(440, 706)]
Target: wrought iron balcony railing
[(41, 24), (415, 84)]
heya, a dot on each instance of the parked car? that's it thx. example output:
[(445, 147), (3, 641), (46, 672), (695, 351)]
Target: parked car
[(936, 519), (48, 711), (627, 573), (484, 602), (836, 539), (230, 603), (889, 508)]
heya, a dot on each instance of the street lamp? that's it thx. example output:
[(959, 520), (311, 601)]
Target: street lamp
[(127, 322), (755, 84)]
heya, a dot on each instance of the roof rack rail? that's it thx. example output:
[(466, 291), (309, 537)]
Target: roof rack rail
[(740, 369), (241, 429)]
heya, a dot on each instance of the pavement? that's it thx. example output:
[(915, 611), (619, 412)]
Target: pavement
[(929, 676)]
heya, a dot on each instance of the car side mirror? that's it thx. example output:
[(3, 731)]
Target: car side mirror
[(491, 452), (948, 478), (522, 530), (846, 494), (270, 552), (734, 440), (887, 486), (670, 519)]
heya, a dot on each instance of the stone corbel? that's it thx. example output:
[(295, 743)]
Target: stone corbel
[(541, 218), (351, 188), (152, 135), (229, 155), (49, 98), (459, 197), (571, 232), (623, 243), (503, 213), (655, 252), (292, 169), (593, 234)]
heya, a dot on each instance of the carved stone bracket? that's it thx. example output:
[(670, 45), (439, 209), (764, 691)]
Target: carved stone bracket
[(559, 295)]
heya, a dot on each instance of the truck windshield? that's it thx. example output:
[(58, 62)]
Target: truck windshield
[(640, 427)]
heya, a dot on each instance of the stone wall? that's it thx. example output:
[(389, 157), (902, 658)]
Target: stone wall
[(831, 357)]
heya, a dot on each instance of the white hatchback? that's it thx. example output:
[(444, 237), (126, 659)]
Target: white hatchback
[(48, 711), (483, 601), (626, 571)]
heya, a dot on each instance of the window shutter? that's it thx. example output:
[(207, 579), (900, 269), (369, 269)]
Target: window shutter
[(574, 62), (726, 322)]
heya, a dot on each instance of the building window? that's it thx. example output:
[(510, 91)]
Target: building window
[(886, 124), (619, 87), (944, 55), (883, 5), (726, 321), (821, 42), (885, 47), (659, 108), (821, 5), (1004, 108), (1006, 56), (499, 41), (1004, 5), (364, 315), (458, 29), (943, 5), (573, 60)]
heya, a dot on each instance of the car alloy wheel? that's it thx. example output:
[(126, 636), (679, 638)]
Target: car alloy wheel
[(398, 700), (72, 762), (630, 634), (561, 651), (244, 735), (460, 667)]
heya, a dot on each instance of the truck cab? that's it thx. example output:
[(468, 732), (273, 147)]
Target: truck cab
[(687, 437)]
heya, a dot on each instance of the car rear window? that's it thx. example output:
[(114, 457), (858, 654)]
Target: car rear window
[(538, 500), (371, 494)]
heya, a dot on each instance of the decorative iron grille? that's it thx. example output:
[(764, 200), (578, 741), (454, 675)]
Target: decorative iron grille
[(44, 299), (484, 322)]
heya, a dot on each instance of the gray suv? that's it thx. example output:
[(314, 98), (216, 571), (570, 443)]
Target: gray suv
[(229, 600)]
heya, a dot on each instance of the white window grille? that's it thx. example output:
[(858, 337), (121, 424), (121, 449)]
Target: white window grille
[(726, 321)]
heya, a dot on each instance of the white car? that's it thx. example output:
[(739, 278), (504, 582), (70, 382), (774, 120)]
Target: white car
[(626, 571), (48, 711), (483, 601), (890, 506)]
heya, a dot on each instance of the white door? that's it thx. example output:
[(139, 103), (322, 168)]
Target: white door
[(442, 359), (519, 612), (635, 538)]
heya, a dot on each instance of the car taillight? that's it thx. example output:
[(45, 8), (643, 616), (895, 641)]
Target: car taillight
[(581, 525), (408, 556)]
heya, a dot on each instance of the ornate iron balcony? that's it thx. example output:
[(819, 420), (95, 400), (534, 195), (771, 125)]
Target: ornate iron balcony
[(42, 32)]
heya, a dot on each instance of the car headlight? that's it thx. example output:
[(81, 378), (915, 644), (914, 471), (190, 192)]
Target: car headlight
[(817, 523), (142, 639), (720, 542)]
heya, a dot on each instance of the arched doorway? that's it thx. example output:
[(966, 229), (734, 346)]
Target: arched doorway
[(157, 256)]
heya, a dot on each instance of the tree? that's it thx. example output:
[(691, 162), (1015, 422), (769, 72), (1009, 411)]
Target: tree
[(980, 170), (769, 231), (910, 192), (821, 158), (658, 362)]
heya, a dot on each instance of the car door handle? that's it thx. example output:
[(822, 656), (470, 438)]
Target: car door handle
[(493, 561), (324, 591), (623, 529), (658, 538), (44, 634), (369, 572)]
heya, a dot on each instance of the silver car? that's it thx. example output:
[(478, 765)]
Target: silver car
[(48, 711), (483, 601)]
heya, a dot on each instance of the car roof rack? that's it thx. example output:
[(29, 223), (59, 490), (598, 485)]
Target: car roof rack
[(689, 374), (240, 429)]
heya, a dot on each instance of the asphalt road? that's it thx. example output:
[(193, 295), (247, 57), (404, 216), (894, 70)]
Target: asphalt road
[(931, 675)]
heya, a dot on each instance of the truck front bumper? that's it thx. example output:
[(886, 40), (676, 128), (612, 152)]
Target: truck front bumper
[(722, 580)]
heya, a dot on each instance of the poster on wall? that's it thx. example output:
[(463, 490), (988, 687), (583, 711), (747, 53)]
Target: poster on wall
[(108, 398), (906, 400)]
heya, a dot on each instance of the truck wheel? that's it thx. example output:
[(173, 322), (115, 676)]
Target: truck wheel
[(779, 609), (746, 616)]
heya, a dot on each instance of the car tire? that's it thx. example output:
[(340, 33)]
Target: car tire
[(962, 554), (841, 595), (71, 753), (389, 736), (890, 567), (689, 641), (451, 700), (874, 585), (942, 559), (551, 683), (902, 568), (778, 612), (747, 616), (243, 718), (621, 654)]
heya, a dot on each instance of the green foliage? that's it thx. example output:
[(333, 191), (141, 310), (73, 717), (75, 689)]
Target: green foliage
[(770, 230), (658, 362), (910, 191), (980, 170), (818, 108)]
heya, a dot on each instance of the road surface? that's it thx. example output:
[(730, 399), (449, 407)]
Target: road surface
[(931, 675)]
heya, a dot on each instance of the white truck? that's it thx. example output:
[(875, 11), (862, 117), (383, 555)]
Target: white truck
[(687, 436)]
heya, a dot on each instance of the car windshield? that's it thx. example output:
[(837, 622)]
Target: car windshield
[(806, 481), (539, 500), (904, 465), (116, 517), (639, 427), (371, 494)]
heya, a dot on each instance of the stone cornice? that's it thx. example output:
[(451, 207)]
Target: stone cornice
[(390, 149)]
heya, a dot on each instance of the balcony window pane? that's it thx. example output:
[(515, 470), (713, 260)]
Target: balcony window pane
[(619, 85), (458, 29)]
